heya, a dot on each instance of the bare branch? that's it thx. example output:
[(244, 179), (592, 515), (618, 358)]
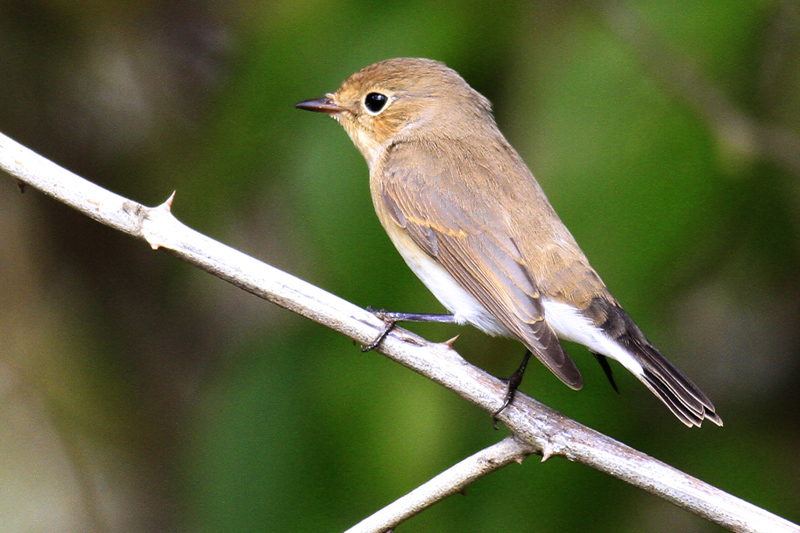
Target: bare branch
[(455, 479), (545, 430)]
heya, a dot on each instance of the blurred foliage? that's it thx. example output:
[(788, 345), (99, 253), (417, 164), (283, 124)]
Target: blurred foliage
[(142, 395)]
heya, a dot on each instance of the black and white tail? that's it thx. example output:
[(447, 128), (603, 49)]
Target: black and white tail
[(606, 329)]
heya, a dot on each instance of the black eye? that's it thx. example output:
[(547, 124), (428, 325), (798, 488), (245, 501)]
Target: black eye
[(375, 102)]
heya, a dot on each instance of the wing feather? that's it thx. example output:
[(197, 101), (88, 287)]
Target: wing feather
[(447, 219)]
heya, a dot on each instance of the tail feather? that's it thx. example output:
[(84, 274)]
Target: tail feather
[(683, 398)]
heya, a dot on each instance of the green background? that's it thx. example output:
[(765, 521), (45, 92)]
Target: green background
[(140, 394)]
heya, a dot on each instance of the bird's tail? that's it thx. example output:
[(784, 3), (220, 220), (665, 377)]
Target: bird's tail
[(683, 398)]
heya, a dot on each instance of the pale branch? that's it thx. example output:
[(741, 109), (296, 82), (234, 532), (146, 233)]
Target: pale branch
[(546, 430), (453, 480)]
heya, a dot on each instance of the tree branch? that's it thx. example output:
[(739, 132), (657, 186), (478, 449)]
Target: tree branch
[(455, 479), (543, 429)]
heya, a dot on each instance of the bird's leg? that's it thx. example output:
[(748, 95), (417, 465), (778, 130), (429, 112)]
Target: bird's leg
[(390, 319), (513, 383)]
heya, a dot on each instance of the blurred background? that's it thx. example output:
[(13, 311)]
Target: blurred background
[(140, 394)]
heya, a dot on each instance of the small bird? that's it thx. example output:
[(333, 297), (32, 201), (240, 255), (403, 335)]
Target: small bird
[(470, 220)]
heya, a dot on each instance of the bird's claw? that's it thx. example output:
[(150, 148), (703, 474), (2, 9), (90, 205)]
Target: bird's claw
[(388, 325)]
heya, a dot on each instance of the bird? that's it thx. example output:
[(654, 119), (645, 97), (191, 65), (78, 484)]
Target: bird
[(471, 221)]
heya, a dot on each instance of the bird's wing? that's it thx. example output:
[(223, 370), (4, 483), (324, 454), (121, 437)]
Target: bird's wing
[(464, 227)]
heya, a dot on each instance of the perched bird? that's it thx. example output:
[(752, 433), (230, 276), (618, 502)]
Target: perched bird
[(473, 224)]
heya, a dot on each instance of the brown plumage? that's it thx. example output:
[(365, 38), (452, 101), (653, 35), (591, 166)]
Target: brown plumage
[(472, 222)]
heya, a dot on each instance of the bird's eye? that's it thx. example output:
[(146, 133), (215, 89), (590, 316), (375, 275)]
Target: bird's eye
[(375, 102)]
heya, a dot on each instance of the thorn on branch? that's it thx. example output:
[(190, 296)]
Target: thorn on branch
[(547, 453), (452, 341), (168, 204)]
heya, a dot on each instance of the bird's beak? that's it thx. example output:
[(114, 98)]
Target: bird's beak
[(320, 105)]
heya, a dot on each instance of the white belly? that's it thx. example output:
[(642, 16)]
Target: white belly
[(566, 321), (569, 324), (463, 305)]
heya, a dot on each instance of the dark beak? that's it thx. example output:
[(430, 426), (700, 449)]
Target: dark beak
[(320, 105)]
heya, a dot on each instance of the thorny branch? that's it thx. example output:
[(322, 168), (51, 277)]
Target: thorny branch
[(541, 429)]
